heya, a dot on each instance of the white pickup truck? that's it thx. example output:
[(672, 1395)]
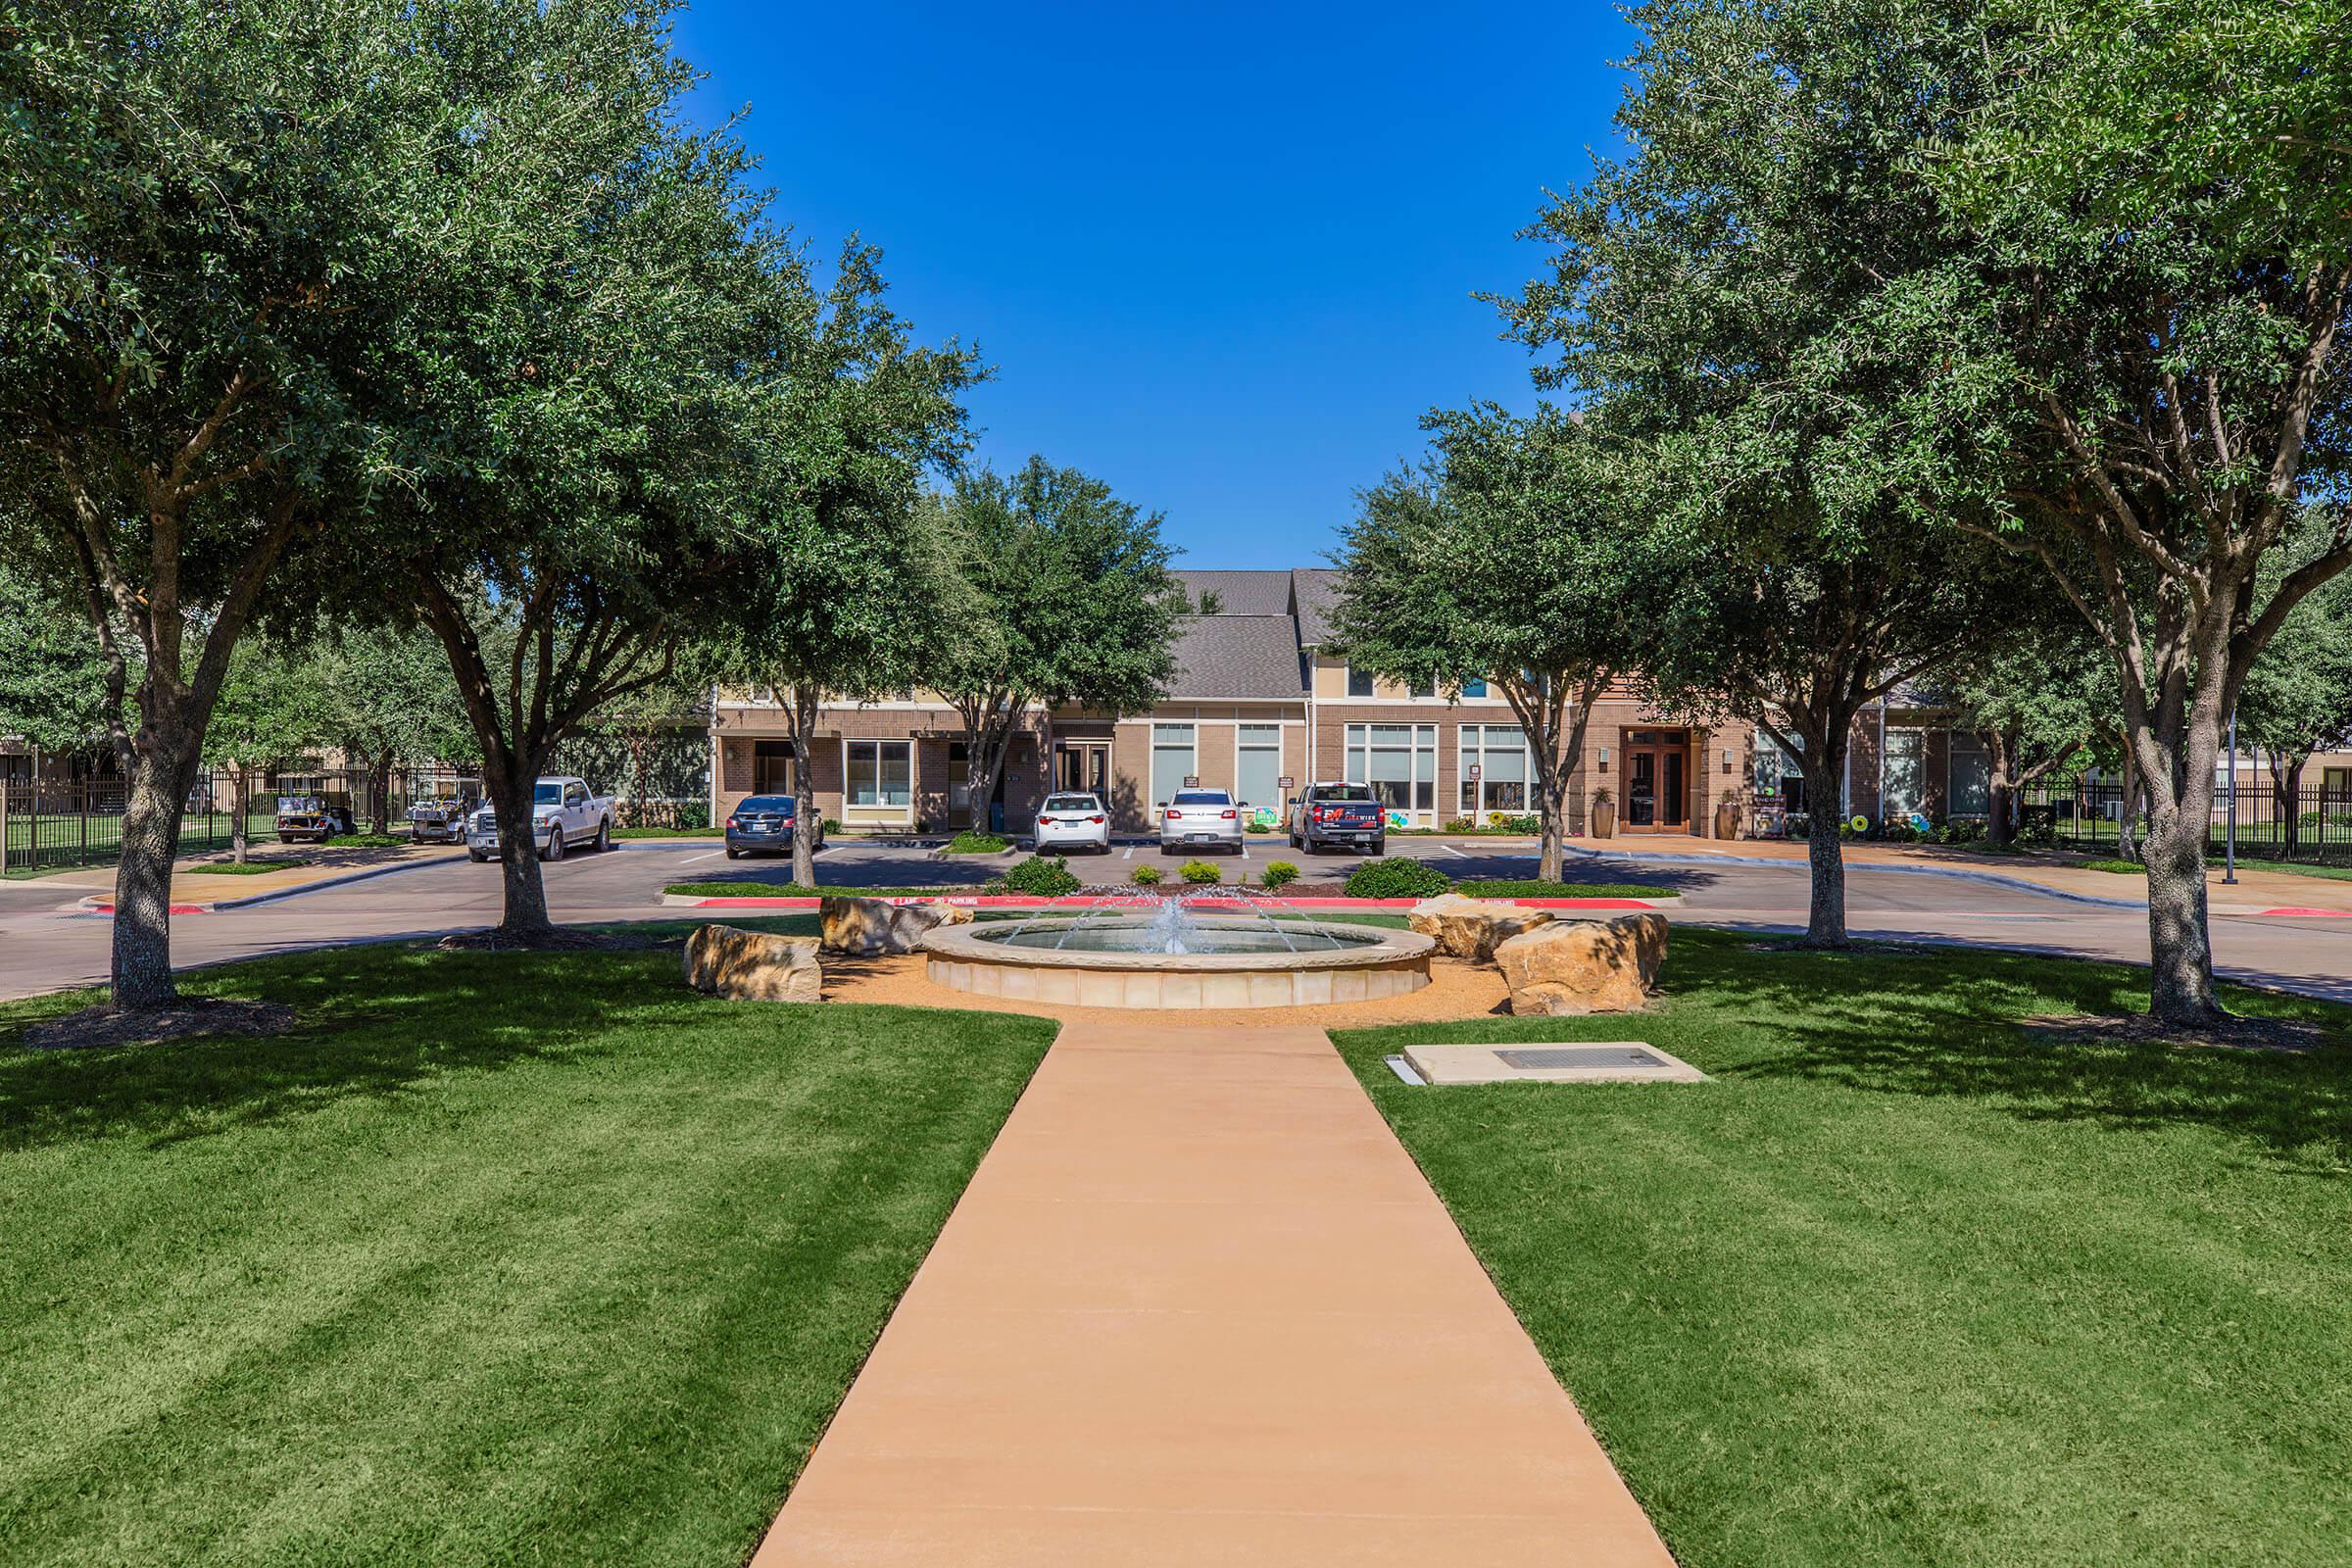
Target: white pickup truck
[(562, 814)]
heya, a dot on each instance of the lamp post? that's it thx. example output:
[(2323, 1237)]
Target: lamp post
[(2229, 838)]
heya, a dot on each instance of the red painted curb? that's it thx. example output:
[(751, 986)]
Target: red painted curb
[(2320, 914), (1007, 901), (176, 908)]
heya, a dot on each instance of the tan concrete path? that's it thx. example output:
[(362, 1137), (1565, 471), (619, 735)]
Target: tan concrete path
[(309, 865), (1200, 1308), (2255, 890)]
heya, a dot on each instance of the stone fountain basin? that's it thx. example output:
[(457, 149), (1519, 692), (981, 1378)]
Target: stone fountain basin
[(1385, 964)]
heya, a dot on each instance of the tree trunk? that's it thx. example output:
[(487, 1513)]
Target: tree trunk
[(1823, 767), (2000, 793), (984, 747), (2179, 947), (2287, 798), (525, 910), (803, 788), (380, 780), (240, 801), (162, 767), (2127, 822)]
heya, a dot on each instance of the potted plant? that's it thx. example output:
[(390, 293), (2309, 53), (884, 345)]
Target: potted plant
[(1604, 812)]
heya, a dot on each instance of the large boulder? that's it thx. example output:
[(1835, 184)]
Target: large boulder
[(724, 960), (1472, 928), (1585, 965), (870, 928)]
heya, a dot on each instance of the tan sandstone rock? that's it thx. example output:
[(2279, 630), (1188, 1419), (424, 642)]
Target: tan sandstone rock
[(867, 928), (1472, 928), (1585, 965), (724, 960)]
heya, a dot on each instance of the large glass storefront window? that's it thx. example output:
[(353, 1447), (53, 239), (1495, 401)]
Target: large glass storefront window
[(1399, 761), (1499, 752), (1257, 768), (881, 773), (1906, 772), (1972, 777), (1175, 758)]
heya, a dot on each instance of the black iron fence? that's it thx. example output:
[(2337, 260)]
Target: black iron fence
[(2312, 825), (56, 824)]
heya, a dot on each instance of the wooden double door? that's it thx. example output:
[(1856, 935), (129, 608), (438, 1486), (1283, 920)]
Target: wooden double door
[(1657, 781)]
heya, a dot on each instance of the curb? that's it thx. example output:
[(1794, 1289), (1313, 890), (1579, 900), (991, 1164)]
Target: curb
[(1015, 900), (104, 903)]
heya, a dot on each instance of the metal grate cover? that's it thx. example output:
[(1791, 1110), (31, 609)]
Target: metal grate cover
[(1578, 1057)]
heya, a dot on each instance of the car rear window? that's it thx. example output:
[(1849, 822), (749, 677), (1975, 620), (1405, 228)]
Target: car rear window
[(1203, 798), (1072, 803), (767, 803), (1351, 794)]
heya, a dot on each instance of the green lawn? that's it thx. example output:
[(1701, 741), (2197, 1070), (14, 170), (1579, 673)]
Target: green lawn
[(260, 868), (1906, 1286), (503, 1258)]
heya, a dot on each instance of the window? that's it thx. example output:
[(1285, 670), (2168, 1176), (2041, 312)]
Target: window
[(1257, 769), (881, 773), (771, 766), (1400, 761), (1505, 771), (1359, 682), (1971, 776), (1779, 774), (1906, 773), (1474, 686), (1175, 756)]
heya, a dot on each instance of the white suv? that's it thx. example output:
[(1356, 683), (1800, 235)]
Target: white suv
[(1073, 822), (1201, 819)]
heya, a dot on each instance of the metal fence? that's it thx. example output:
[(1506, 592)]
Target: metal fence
[(53, 825), (2312, 826)]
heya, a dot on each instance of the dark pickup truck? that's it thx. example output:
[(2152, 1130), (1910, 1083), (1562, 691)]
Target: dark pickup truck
[(1343, 814)]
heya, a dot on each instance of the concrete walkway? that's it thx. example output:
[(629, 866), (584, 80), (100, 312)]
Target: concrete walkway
[(1198, 1306)]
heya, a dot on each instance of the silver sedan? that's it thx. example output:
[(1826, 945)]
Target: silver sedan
[(1201, 819)]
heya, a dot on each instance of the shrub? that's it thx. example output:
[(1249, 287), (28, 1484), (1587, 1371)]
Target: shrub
[(832, 826), (1256, 827), (1046, 876), (1199, 872), (1460, 824), (971, 841), (1147, 876), (1797, 825), (1278, 873), (1521, 823), (1397, 877)]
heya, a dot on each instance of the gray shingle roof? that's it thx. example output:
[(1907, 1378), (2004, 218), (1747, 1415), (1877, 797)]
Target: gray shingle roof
[(1316, 588), (1228, 655), (1242, 592)]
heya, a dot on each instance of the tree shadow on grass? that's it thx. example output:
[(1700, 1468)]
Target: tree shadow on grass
[(373, 1023), (1938, 1023)]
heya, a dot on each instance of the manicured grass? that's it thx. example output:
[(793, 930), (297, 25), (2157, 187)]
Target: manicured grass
[(2334, 873), (1507, 888), (969, 842), (1909, 1286), (501, 1259), (2117, 867), (368, 841), (248, 868), (668, 833)]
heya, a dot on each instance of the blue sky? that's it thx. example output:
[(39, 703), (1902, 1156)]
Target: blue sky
[(1221, 257)]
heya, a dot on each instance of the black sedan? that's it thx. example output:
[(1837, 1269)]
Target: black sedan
[(762, 825)]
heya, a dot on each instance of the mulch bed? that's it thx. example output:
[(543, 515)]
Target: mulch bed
[(2234, 1033), (94, 1027)]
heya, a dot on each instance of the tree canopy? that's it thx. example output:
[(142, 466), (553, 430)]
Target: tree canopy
[(1071, 602)]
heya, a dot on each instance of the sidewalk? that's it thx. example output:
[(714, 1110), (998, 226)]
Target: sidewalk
[(2255, 892), (1198, 1306), (198, 892)]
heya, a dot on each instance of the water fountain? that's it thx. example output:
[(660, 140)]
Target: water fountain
[(1177, 949)]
